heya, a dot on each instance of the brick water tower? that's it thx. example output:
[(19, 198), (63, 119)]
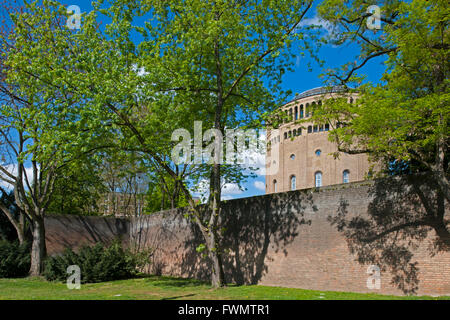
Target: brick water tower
[(304, 154)]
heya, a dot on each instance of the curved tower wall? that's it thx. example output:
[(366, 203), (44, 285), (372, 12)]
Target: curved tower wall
[(297, 154)]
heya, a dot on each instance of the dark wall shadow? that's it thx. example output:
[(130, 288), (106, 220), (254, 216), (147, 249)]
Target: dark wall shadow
[(75, 231), (249, 227), (162, 233), (403, 213)]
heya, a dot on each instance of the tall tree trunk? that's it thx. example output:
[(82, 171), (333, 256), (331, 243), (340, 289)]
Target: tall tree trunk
[(214, 246), (38, 248), (20, 234), (217, 274)]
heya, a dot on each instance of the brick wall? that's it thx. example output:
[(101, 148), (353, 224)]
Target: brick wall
[(296, 239), (72, 231)]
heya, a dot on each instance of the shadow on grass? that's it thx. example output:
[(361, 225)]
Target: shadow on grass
[(164, 282), (180, 297)]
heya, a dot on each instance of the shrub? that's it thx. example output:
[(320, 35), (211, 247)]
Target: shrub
[(15, 259), (97, 263)]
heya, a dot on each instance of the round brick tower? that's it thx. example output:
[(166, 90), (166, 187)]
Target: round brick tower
[(300, 155)]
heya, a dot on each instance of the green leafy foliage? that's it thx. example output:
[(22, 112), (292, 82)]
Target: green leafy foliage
[(97, 263), (405, 116), (77, 189), (219, 62), (14, 259)]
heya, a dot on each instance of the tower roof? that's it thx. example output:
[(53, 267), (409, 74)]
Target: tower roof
[(319, 90)]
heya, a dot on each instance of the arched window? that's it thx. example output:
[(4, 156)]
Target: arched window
[(318, 179), (299, 131), (290, 134), (309, 129), (295, 132), (346, 176), (301, 111), (351, 100), (285, 135), (318, 152), (321, 127), (313, 107), (296, 113), (293, 182), (327, 127), (274, 185), (307, 110), (290, 114), (292, 156), (316, 128)]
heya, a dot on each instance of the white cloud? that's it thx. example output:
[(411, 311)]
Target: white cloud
[(12, 169), (139, 70), (316, 21), (231, 189), (259, 185)]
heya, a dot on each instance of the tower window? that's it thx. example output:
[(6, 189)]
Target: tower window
[(318, 179), (293, 182), (318, 152), (274, 185), (346, 176), (292, 156)]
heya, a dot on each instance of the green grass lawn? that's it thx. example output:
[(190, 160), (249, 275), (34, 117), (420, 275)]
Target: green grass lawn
[(166, 288)]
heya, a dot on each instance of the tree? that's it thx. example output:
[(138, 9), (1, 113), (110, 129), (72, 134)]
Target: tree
[(13, 224), (125, 181), (164, 193), (217, 74), (217, 62), (77, 189), (401, 122), (38, 134), (405, 117)]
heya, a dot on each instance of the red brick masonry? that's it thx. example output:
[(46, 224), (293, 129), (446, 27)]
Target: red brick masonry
[(285, 239)]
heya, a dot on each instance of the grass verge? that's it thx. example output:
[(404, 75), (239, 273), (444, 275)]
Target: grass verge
[(168, 288)]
